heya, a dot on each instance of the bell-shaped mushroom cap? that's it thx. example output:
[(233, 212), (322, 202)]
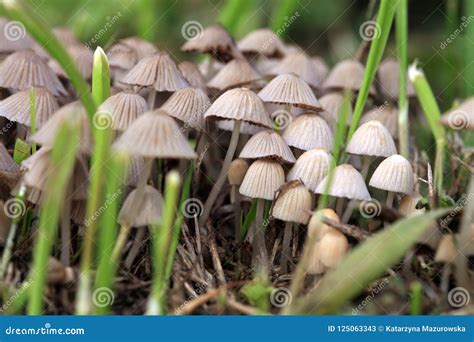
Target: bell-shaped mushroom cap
[(159, 71), (239, 104), (263, 178), (394, 174), (461, 117), (66, 36), (124, 108), (372, 139), (214, 40), (69, 113), (17, 106), (267, 144), (13, 37), (388, 77), (309, 131), (149, 212), (290, 90), (318, 228), (265, 65), (134, 167), (237, 72), (141, 46), (300, 65), (408, 204), (292, 203), (188, 105), (446, 251), (82, 57), (311, 167), (321, 67), (331, 103), (122, 56), (262, 42), (237, 170), (192, 74), (347, 74), (24, 69), (347, 182), (245, 128), (333, 248), (155, 135), (388, 116)]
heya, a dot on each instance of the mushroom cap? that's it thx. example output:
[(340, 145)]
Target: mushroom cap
[(122, 56), (245, 128), (265, 65), (408, 203), (388, 77), (142, 47), (300, 65), (347, 74), (7, 164), (46, 135), (83, 58), (124, 108), (320, 229), (321, 67), (237, 170), (239, 104), (17, 106), (150, 209), (188, 105), (308, 131), (347, 182), (192, 74), (24, 69), (134, 167), (267, 144), (289, 89), (333, 248), (331, 103), (262, 42), (394, 174), (237, 72), (263, 178), (315, 266), (66, 36), (446, 251), (311, 167), (159, 71), (388, 116), (155, 135), (372, 139), (292, 203), (13, 37), (461, 117)]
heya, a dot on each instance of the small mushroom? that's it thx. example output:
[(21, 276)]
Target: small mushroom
[(308, 131), (144, 48), (333, 248), (387, 115), (192, 74), (347, 74), (311, 167), (236, 73), (331, 103), (388, 77), (267, 144), (461, 117), (301, 65), (262, 42)]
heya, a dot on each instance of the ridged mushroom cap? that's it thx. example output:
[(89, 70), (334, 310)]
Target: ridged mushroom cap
[(13, 37), (24, 69), (388, 77), (347, 74), (237, 72), (289, 89), (262, 42), (388, 116), (265, 65), (7, 164), (122, 56), (267, 144), (263, 178), (150, 208), (159, 71), (331, 103), (188, 105), (124, 108), (321, 67), (347, 183), (192, 74), (333, 248), (239, 104), (245, 128), (134, 167), (83, 58), (17, 106), (308, 131), (311, 167), (315, 227), (394, 174), (292, 203), (372, 139), (301, 65), (461, 117), (144, 48), (155, 135)]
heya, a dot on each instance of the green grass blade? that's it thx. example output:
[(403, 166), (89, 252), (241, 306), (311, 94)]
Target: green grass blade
[(21, 151), (33, 116), (232, 12), (402, 48), (416, 298), (100, 77), (281, 13)]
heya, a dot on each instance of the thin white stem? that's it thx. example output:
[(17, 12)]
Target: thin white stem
[(285, 247), (137, 244), (260, 254)]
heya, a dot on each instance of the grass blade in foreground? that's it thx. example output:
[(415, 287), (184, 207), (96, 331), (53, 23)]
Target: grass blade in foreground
[(402, 47)]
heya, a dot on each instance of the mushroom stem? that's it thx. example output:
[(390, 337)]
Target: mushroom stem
[(151, 98), (141, 183), (133, 252), (235, 198), (348, 212), (66, 232), (365, 166), (222, 175), (389, 200), (285, 247), (339, 206), (259, 249), (121, 240)]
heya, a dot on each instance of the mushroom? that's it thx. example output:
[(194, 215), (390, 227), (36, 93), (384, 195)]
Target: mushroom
[(331, 104), (9, 172), (245, 128), (237, 170), (388, 77), (192, 74), (144, 48), (318, 229), (21, 42), (58, 273), (301, 65), (82, 57), (446, 254), (347, 74), (387, 115), (333, 248), (121, 59), (292, 205), (267, 144), (321, 67), (461, 117), (236, 73), (262, 42)]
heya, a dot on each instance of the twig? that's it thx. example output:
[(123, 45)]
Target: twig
[(215, 256), (347, 229)]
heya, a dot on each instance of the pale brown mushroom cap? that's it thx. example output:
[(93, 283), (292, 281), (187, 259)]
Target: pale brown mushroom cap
[(82, 57), (159, 71), (300, 65), (394, 174), (289, 89), (17, 106), (142, 47), (188, 105), (446, 251), (13, 37), (372, 139), (315, 266), (267, 144), (461, 117), (263, 178), (237, 170), (123, 108), (308, 131), (311, 167), (192, 74), (388, 116), (155, 135), (237, 72), (292, 203), (122, 56), (347, 74), (347, 183), (262, 42), (333, 248), (239, 104), (149, 211), (388, 77), (245, 128), (46, 135), (408, 203), (315, 227), (24, 69)]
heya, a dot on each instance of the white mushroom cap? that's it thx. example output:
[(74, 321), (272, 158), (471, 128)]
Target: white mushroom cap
[(347, 182), (311, 167), (263, 42), (237, 72), (389, 79), (293, 203), (394, 174), (150, 210), (388, 116), (372, 139), (267, 144), (309, 131), (347, 74), (263, 178), (301, 65)]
